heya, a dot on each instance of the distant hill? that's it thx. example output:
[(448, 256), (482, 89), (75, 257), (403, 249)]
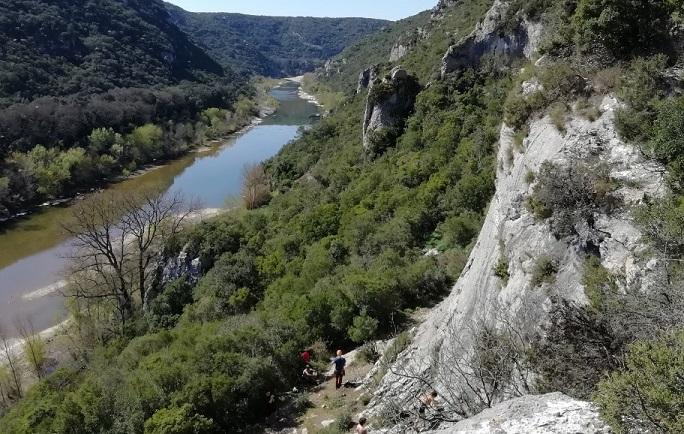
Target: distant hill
[(272, 46), (67, 47)]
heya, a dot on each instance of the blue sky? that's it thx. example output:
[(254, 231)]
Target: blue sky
[(387, 9)]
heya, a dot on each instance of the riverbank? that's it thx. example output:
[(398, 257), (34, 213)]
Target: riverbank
[(302, 93), (80, 194)]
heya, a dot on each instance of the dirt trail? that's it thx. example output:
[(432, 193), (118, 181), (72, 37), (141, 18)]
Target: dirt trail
[(328, 404)]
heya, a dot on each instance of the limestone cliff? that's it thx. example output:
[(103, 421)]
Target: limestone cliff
[(491, 39), (513, 236), (511, 233), (388, 104)]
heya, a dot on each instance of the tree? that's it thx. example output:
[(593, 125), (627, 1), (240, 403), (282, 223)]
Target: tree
[(10, 358), (255, 189), (178, 420), (33, 346), (648, 395), (117, 239)]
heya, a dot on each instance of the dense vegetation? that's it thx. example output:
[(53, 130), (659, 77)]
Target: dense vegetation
[(70, 70), (337, 258), (272, 46), (338, 255), (63, 47)]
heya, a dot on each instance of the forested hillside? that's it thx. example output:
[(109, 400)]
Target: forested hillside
[(60, 47), (272, 46), (69, 68)]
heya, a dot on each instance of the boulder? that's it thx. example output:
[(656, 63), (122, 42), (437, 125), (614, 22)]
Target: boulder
[(553, 413), (366, 78)]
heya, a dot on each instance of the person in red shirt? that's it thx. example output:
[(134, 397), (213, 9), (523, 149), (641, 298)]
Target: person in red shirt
[(306, 357)]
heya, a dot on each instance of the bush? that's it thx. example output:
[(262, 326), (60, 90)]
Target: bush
[(667, 143), (180, 420), (558, 112), (501, 270), (577, 350), (570, 195), (544, 271), (623, 27), (647, 395)]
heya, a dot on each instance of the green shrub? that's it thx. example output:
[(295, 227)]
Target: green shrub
[(667, 142), (178, 421), (647, 395), (599, 283), (558, 112), (544, 271), (501, 270), (623, 27), (571, 194), (587, 109)]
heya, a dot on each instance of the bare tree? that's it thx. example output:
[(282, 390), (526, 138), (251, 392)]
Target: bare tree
[(255, 188), (33, 347), (483, 363), (117, 239), (10, 358)]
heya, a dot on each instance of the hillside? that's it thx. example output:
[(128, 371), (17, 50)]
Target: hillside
[(498, 197), (68, 68), (272, 46), (59, 47)]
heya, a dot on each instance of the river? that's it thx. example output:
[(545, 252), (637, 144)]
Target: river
[(32, 249)]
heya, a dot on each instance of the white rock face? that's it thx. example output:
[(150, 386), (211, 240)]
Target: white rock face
[(510, 230), (398, 52), (487, 38), (554, 413)]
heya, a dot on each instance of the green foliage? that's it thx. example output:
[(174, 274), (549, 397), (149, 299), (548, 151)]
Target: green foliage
[(599, 283), (363, 328), (666, 143), (544, 271), (647, 394), (570, 195), (501, 270), (623, 27), (178, 420), (277, 46), (59, 47)]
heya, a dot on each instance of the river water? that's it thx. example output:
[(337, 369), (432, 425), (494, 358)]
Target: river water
[(32, 249)]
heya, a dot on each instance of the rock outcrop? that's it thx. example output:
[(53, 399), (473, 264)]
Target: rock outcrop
[(366, 79), (489, 39), (512, 233), (398, 52), (388, 104), (554, 413)]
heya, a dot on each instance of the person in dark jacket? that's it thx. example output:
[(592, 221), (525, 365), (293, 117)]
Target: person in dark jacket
[(339, 362)]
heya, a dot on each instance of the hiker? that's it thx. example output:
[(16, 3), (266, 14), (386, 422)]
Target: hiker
[(427, 401), (361, 427), (310, 374), (306, 356), (339, 363)]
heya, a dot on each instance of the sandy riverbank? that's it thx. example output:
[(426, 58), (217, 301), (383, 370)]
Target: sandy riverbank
[(303, 94)]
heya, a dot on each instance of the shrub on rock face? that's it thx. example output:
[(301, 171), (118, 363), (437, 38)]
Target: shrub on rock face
[(648, 395), (571, 195)]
